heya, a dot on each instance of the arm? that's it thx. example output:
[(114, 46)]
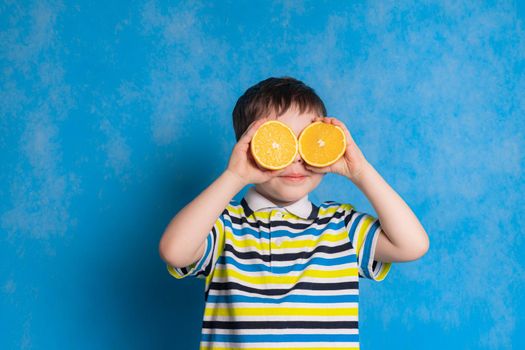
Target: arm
[(402, 237), (183, 240)]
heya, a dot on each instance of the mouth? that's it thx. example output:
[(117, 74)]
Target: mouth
[(294, 177)]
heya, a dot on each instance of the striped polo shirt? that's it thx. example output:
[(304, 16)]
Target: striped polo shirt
[(285, 277)]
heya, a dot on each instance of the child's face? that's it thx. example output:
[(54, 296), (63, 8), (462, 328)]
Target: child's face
[(295, 181)]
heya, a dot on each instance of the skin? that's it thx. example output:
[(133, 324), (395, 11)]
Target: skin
[(295, 181), (402, 237)]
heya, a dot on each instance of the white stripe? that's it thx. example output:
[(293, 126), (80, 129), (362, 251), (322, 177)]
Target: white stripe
[(303, 306), (304, 292), (296, 233), (314, 226), (263, 274), (301, 345), (280, 318), (290, 250)]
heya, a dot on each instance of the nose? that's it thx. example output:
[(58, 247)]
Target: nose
[(298, 158)]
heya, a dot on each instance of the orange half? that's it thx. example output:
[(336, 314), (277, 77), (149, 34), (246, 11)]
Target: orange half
[(322, 144), (274, 145)]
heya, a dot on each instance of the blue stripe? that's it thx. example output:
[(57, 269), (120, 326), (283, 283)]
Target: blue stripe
[(344, 298), (353, 228), (207, 252), (284, 233), (224, 260), (277, 338), (368, 247)]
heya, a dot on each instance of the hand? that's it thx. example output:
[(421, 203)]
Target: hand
[(352, 163), (242, 163)]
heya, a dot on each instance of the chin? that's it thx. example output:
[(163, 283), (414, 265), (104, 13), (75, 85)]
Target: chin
[(288, 191)]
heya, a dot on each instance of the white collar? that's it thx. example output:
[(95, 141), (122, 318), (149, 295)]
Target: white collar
[(254, 201)]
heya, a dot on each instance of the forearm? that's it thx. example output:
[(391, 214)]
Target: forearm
[(398, 222), (190, 227)]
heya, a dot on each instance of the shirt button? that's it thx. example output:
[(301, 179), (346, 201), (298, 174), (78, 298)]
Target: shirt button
[(279, 215)]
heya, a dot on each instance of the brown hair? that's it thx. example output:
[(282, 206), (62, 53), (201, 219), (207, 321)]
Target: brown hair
[(274, 94)]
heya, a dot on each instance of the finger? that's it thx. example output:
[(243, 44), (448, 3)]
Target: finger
[(338, 122), (342, 125), (334, 120), (252, 128)]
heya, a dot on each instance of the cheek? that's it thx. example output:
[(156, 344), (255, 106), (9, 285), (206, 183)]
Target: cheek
[(316, 179)]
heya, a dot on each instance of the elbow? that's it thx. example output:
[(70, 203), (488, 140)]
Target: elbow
[(167, 254), (414, 252), (422, 248)]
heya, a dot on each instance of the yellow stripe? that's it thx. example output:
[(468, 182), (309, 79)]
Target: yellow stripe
[(173, 272), (360, 235), (295, 243), (285, 279), (384, 271), (262, 215), (214, 347), (219, 228), (346, 206), (237, 211), (329, 211), (265, 215), (281, 311)]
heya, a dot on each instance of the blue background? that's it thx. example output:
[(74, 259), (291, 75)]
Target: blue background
[(114, 116)]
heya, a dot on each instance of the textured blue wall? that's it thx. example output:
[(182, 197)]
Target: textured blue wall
[(114, 116)]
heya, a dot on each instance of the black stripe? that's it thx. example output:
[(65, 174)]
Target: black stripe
[(243, 220), (349, 217), (207, 270), (298, 226), (258, 223), (288, 256), (314, 213), (327, 219), (247, 210), (279, 324), (274, 292)]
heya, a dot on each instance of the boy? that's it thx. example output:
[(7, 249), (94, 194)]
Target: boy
[(281, 272)]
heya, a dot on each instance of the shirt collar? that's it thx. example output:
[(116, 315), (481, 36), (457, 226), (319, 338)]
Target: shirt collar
[(254, 201)]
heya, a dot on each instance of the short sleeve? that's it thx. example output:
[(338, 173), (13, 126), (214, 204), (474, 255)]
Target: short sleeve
[(204, 267), (363, 230)]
